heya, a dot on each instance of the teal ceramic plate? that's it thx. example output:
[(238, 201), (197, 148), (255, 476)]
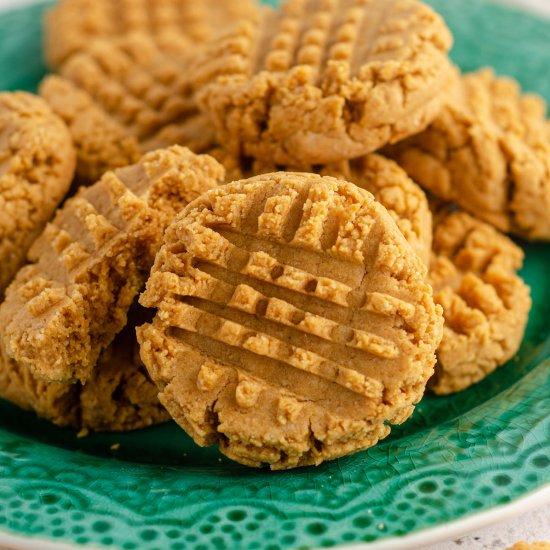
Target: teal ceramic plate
[(456, 457)]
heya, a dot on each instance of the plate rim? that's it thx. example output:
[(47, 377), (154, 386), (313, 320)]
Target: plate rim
[(415, 541), (460, 527)]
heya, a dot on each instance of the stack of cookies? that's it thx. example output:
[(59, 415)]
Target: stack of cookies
[(279, 228)]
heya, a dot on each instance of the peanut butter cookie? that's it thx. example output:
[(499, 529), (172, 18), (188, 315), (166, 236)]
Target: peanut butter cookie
[(485, 303), (405, 201), (118, 397), (293, 321), (325, 80), (122, 98), (174, 25), (381, 176), (87, 267), (121, 396), (56, 402), (37, 162), (488, 151)]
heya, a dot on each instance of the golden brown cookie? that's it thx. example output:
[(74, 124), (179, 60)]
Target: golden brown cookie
[(293, 321), (122, 98), (118, 397), (485, 303), (326, 80), (488, 151), (67, 306), (405, 201), (37, 162), (175, 25), (381, 176), (54, 401), (121, 396)]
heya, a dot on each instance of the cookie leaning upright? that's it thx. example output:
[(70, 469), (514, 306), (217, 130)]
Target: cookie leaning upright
[(323, 81), (293, 321), (488, 151), (121, 98), (37, 162), (485, 302), (87, 267), (175, 25)]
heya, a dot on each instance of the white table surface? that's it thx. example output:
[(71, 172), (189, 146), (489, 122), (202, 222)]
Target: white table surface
[(533, 526), (530, 527)]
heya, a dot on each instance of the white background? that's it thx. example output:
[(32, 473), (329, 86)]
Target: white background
[(539, 5), (542, 6), (532, 526)]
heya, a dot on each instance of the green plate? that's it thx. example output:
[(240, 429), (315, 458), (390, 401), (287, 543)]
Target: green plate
[(457, 456)]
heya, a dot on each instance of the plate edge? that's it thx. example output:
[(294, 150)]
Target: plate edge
[(20, 542), (459, 527), (433, 535)]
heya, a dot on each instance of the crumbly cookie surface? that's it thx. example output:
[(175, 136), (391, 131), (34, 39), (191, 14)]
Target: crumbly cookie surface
[(120, 396), (174, 25), (121, 98), (37, 162), (485, 303), (488, 151), (293, 321), (405, 201), (55, 401), (67, 306), (323, 81)]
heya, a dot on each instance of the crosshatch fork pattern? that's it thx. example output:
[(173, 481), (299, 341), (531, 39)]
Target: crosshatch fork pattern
[(304, 287), (121, 99), (175, 25), (284, 89)]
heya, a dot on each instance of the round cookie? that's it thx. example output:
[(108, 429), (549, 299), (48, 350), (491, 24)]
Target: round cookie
[(488, 151), (122, 98), (119, 397), (37, 162), (485, 303), (69, 303), (325, 80), (174, 25), (293, 324)]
